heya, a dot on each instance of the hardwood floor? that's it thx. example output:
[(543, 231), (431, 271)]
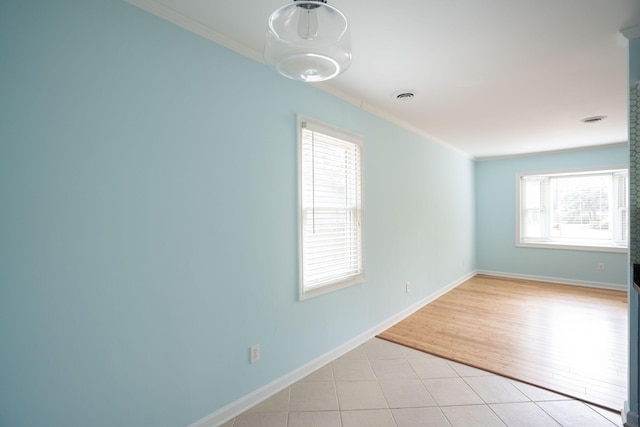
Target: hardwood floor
[(569, 339)]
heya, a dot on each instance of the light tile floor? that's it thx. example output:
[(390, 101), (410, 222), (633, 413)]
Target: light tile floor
[(381, 384)]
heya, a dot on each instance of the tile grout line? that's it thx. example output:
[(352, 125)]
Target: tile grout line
[(396, 371)]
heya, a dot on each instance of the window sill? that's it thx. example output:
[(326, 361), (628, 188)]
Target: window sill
[(322, 290), (573, 246)]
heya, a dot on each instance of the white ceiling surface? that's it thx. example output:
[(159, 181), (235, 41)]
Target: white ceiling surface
[(492, 77)]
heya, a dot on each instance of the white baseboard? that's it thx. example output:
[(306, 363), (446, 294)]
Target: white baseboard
[(599, 285), (236, 408), (417, 306)]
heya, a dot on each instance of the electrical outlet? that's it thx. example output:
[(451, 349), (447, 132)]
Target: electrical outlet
[(254, 353), (407, 287), (601, 266)]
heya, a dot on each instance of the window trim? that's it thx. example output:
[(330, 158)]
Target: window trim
[(566, 245), (318, 126)]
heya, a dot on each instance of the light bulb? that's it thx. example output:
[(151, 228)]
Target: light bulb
[(308, 24)]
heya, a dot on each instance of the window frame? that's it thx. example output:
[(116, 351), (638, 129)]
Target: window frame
[(305, 291), (555, 243)]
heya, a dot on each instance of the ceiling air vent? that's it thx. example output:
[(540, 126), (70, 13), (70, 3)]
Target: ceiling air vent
[(594, 119), (404, 95)]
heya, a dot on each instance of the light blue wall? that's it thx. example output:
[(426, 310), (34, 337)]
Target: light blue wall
[(495, 220), (148, 220)]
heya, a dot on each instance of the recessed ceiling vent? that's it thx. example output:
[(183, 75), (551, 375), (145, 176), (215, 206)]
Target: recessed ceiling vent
[(405, 95), (594, 119)]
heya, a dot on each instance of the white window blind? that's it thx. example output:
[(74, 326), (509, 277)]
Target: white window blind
[(330, 163), (585, 209)]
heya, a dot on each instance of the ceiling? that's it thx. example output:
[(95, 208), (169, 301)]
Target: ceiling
[(491, 77)]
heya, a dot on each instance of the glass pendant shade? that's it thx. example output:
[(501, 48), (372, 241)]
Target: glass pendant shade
[(308, 41)]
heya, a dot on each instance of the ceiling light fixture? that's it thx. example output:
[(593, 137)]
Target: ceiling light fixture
[(308, 41)]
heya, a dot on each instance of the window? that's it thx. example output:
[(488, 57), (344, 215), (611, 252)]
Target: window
[(330, 174), (578, 210)]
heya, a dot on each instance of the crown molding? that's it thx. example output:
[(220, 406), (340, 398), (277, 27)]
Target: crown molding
[(566, 150), (202, 30), (196, 27), (631, 32)]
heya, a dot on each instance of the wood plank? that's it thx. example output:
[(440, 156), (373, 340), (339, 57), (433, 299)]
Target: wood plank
[(568, 339)]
